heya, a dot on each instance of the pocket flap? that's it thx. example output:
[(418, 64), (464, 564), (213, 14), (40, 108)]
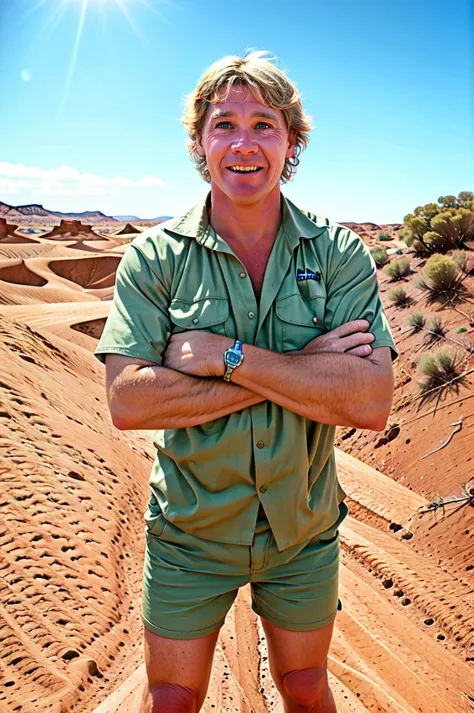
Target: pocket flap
[(295, 310), (200, 313)]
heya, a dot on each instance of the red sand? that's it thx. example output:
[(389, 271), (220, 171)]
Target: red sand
[(74, 489)]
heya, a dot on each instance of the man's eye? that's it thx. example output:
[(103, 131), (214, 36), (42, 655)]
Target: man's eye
[(264, 124), (221, 124)]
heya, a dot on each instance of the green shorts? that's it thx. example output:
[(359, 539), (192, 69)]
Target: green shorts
[(189, 584)]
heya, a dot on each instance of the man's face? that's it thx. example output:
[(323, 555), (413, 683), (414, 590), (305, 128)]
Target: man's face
[(240, 133)]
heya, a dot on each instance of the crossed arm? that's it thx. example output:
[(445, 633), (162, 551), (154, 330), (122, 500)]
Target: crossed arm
[(336, 379)]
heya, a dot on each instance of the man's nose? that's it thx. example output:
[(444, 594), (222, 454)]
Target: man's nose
[(244, 144)]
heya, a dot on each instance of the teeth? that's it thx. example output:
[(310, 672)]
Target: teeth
[(244, 168)]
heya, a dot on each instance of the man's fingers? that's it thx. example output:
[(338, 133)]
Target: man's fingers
[(362, 351), (356, 340), (357, 325)]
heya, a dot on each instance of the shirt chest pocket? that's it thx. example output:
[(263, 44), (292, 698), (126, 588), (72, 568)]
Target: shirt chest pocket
[(210, 313), (299, 320)]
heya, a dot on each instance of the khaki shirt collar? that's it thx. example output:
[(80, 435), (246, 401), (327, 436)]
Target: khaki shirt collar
[(296, 225)]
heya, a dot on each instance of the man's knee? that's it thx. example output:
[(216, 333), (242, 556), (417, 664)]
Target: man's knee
[(171, 698), (307, 686)]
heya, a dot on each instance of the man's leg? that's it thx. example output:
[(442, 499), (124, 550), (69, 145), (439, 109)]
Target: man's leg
[(178, 672), (298, 664)]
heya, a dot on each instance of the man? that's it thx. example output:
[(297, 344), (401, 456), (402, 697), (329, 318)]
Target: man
[(240, 332)]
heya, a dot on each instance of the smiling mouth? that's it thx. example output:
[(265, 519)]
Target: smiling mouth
[(244, 169)]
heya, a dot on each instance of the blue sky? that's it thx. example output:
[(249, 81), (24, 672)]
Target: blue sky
[(92, 92)]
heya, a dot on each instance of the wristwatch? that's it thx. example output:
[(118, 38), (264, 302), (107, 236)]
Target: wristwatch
[(233, 357)]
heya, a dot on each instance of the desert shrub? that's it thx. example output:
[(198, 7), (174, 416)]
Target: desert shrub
[(464, 260), (435, 332), (397, 269), (416, 320), (383, 235), (440, 373), (419, 282), (440, 272), (380, 256), (436, 243), (440, 227), (399, 297), (461, 330)]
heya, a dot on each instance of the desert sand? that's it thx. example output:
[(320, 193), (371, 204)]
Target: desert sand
[(73, 490)]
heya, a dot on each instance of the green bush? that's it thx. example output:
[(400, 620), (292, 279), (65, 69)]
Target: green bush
[(380, 256), (440, 227), (461, 330), (397, 269), (440, 273), (399, 297), (383, 235)]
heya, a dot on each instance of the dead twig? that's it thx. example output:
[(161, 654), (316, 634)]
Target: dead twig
[(458, 424), (467, 498)]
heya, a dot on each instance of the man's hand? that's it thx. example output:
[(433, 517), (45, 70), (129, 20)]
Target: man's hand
[(350, 338), (197, 353)]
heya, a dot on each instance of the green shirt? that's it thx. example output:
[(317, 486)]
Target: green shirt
[(210, 479)]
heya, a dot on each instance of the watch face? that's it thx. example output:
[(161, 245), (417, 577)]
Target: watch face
[(233, 358)]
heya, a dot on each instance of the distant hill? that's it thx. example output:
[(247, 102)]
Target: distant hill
[(37, 210)]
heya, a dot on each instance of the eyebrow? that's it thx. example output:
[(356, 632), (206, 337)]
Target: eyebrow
[(223, 113)]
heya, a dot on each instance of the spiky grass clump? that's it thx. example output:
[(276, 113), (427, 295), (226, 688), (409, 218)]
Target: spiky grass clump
[(399, 297), (435, 332), (383, 236), (416, 320), (380, 256), (397, 269), (440, 372)]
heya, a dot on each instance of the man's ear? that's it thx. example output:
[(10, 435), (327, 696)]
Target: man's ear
[(292, 134), (199, 146)]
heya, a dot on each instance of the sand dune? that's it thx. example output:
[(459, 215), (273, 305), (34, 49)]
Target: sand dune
[(18, 273), (74, 489), (90, 273), (60, 280)]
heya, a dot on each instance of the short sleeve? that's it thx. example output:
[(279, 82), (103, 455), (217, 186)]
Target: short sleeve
[(353, 291), (138, 324)]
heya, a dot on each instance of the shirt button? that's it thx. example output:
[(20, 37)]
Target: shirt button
[(195, 320), (251, 315), (263, 489), (242, 275), (260, 444)]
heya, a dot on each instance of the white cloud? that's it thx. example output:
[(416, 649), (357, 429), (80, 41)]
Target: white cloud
[(26, 75), (66, 180)]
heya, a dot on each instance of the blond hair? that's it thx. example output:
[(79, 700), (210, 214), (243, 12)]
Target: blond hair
[(269, 85)]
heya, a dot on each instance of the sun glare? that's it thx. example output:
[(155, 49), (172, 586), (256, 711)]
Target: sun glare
[(80, 8)]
